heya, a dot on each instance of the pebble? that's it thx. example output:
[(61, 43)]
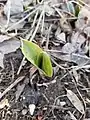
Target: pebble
[(24, 111)]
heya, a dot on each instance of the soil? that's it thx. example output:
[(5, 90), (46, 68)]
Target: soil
[(51, 101), (49, 95)]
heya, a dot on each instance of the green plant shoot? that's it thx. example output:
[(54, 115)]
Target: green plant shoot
[(37, 57)]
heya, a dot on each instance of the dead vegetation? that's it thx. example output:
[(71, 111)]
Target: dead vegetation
[(62, 29)]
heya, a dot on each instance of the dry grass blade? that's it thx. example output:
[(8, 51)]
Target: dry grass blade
[(33, 24), (84, 3), (72, 116), (47, 42), (11, 86), (20, 21), (34, 33)]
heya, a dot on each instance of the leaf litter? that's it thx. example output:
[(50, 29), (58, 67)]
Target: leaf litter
[(61, 28), (75, 101), (8, 47)]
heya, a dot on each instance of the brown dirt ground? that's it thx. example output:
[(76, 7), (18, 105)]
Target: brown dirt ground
[(48, 105)]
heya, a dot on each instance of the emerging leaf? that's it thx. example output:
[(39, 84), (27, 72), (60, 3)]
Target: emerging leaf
[(37, 57), (45, 64), (31, 51)]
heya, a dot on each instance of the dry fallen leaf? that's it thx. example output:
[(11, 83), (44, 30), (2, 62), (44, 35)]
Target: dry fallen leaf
[(73, 57), (75, 101), (69, 48), (27, 2), (13, 6), (4, 103), (77, 39), (75, 46), (74, 51), (4, 37), (83, 20), (8, 47), (66, 27), (61, 36), (3, 22), (57, 33), (19, 91)]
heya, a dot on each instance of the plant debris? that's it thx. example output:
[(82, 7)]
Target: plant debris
[(61, 31)]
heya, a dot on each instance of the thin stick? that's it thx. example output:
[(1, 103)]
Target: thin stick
[(72, 1), (48, 35), (33, 24), (57, 10), (8, 14), (11, 86), (41, 15), (58, 64), (20, 21), (43, 19), (12, 69), (21, 64), (75, 68), (84, 3)]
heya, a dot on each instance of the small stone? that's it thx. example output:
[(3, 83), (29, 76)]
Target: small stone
[(24, 111), (31, 108)]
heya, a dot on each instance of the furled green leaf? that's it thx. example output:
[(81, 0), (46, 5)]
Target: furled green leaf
[(77, 10), (37, 57), (45, 64), (31, 51)]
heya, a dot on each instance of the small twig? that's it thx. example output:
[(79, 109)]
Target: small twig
[(55, 103), (31, 79), (20, 21), (40, 1), (57, 4), (33, 24), (34, 33), (11, 86), (58, 64), (76, 68), (46, 84), (43, 19), (45, 98), (89, 48), (48, 35), (57, 51), (84, 3), (74, 17), (56, 9), (81, 67), (8, 15), (21, 64), (12, 69), (76, 3)]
